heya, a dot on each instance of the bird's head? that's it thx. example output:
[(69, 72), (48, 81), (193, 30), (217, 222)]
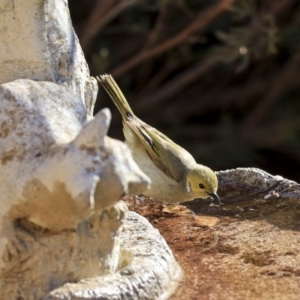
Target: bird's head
[(202, 182)]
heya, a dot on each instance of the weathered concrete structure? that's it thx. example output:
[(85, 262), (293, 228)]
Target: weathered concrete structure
[(61, 177)]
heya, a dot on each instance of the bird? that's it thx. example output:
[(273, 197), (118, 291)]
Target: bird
[(175, 175)]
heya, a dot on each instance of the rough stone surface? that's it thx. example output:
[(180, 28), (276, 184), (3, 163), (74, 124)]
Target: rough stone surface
[(38, 260), (248, 248), (58, 175), (259, 182), (61, 176), (44, 149), (147, 269), (37, 42)]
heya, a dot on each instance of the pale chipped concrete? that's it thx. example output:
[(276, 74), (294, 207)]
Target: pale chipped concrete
[(61, 176), (37, 260), (37, 42), (147, 269), (59, 172)]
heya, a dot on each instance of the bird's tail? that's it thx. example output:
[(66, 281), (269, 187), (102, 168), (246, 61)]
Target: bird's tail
[(116, 95)]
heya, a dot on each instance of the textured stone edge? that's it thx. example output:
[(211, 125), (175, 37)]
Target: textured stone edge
[(258, 181), (147, 268)]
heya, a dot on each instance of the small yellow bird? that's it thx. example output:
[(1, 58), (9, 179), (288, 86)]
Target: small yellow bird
[(174, 173)]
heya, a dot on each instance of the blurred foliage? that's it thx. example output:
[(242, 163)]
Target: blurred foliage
[(221, 78)]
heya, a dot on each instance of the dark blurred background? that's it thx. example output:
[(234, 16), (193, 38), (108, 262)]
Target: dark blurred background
[(221, 78)]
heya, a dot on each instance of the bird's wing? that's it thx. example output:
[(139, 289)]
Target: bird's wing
[(169, 158)]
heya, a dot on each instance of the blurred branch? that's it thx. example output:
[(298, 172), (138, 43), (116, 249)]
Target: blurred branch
[(240, 95), (152, 39), (158, 27), (200, 22), (281, 84), (280, 6), (102, 14), (260, 137), (174, 86), (217, 99), (153, 82), (274, 134)]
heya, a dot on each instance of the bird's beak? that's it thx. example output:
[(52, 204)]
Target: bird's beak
[(215, 197)]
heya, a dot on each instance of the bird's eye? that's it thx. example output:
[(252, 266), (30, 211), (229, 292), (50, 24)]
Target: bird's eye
[(201, 186)]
